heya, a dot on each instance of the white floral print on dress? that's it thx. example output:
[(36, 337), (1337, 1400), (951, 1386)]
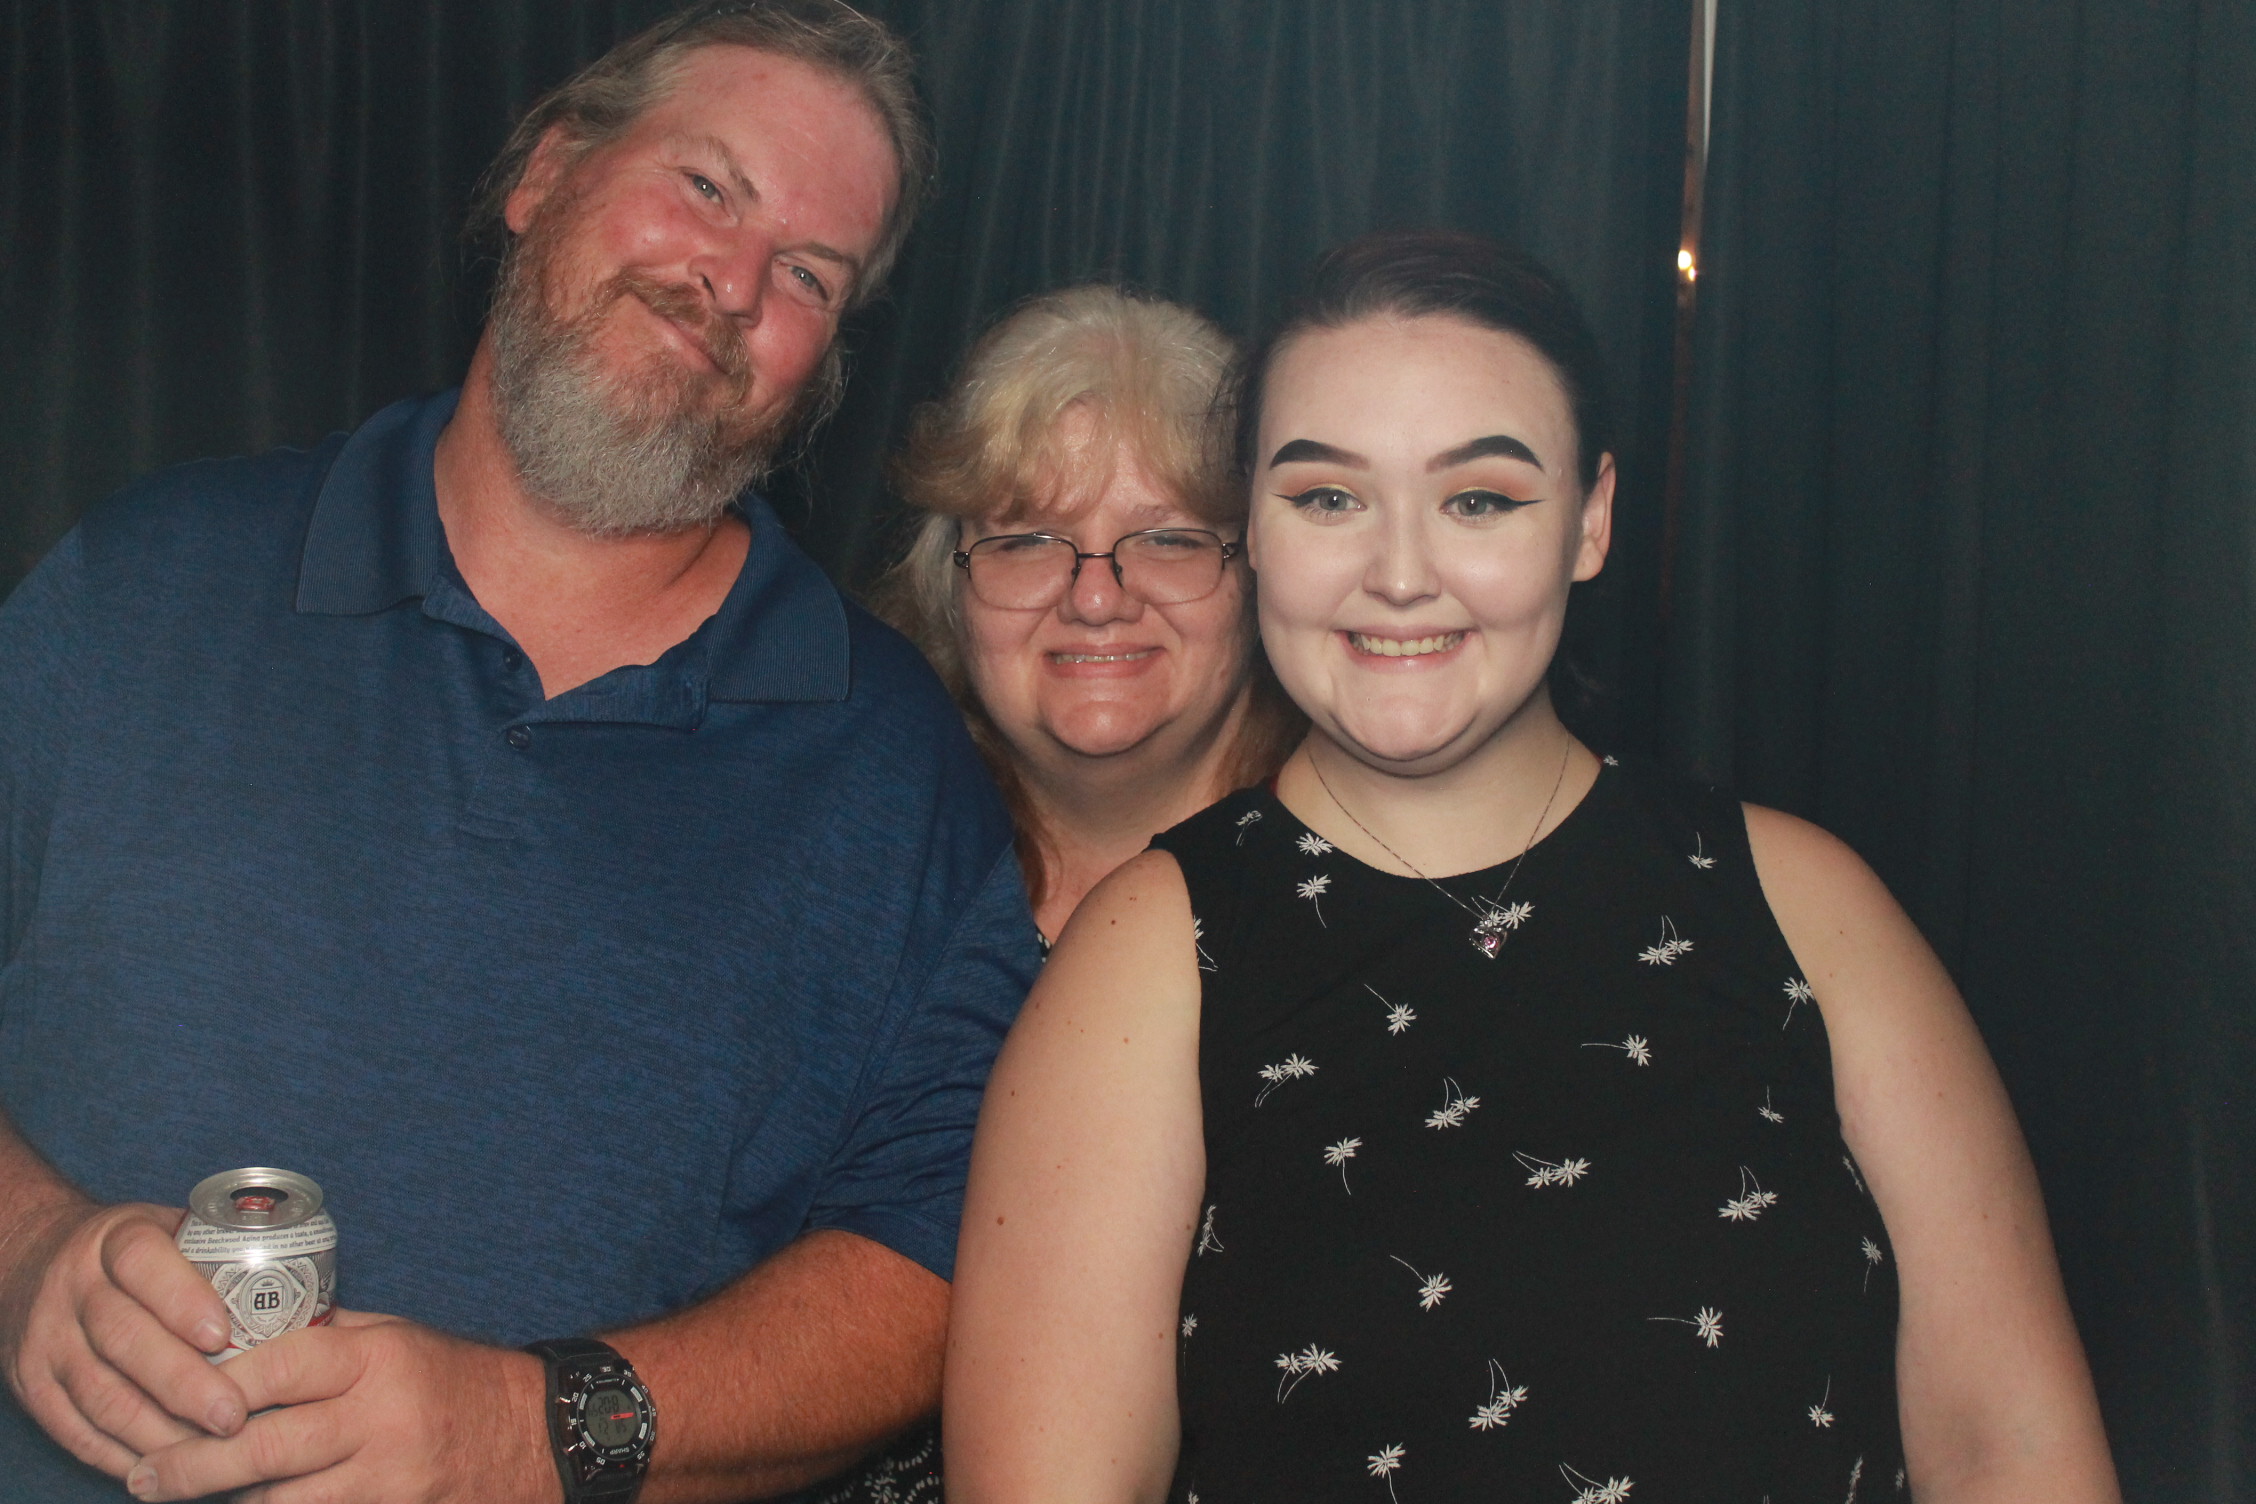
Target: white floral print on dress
[(1819, 1416), (1400, 1016), (1337, 1155), (1706, 1324), (1431, 1287), (1291, 1068), (1751, 1202), (1312, 844), (1297, 1366), (1797, 993), (1455, 1106), (1768, 1113), (1208, 1242), (1670, 946), (1503, 1398), (1313, 890), (1635, 1047), (1612, 1491), (1542, 1173), (1383, 1463)]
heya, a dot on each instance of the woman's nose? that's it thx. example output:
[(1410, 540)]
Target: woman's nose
[(1095, 596), (1401, 571)]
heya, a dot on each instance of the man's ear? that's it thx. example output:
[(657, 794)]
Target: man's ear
[(545, 167), (1597, 534)]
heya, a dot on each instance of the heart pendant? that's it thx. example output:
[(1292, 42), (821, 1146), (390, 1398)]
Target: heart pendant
[(1487, 942)]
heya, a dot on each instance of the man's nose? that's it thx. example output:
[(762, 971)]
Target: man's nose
[(1095, 596), (734, 272)]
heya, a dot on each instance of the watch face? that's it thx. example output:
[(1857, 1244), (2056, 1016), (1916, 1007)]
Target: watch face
[(610, 1427), (613, 1417)]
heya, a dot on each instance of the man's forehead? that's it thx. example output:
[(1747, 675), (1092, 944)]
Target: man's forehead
[(779, 123)]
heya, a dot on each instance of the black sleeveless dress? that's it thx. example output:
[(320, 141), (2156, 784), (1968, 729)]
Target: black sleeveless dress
[(1572, 1223)]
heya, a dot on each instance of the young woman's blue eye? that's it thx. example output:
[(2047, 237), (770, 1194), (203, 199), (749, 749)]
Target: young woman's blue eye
[(1474, 504), (1324, 501), (705, 186)]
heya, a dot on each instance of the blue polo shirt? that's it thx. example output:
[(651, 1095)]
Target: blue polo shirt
[(577, 1008)]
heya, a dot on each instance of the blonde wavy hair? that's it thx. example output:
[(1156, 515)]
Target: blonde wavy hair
[(1032, 425)]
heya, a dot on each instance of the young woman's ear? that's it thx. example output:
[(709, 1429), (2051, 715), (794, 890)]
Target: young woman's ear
[(1597, 522)]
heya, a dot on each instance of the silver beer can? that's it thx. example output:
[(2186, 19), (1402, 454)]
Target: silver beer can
[(263, 1239)]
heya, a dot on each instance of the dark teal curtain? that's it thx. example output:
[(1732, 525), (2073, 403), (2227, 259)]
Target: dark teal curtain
[(1965, 575)]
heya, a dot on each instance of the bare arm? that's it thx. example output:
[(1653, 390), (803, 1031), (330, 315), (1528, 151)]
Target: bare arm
[(1995, 1398), (1085, 1180), (792, 1372)]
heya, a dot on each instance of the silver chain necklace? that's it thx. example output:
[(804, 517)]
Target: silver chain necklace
[(1493, 921)]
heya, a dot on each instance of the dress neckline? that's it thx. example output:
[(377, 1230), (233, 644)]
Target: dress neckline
[(1609, 776)]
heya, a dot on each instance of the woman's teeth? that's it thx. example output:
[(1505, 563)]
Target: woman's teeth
[(1405, 647), (1102, 657)]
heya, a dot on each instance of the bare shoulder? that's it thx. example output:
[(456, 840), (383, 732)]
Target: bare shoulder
[(1127, 956), (1838, 917)]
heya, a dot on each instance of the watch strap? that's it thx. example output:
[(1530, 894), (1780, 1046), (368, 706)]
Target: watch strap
[(557, 1354)]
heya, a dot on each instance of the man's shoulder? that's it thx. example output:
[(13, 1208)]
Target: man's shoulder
[(888, 667), (213, 508)]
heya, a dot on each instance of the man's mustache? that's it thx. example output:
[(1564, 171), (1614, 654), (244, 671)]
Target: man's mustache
[(712, 331)]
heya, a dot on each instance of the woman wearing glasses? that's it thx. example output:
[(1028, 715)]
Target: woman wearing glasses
[(1466, 1115), (1077, 580)]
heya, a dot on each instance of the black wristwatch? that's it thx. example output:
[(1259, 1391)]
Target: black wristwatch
[(601, 1421)]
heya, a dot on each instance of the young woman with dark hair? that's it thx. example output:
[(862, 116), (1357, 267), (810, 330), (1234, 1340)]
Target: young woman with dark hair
[(1466, 1114)]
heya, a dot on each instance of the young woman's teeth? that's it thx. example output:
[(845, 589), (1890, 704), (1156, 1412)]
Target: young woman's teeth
[(1405, 647), (1103, 657)]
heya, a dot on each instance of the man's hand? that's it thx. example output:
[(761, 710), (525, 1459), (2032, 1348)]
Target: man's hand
[(101, 1322), (379, 1411)]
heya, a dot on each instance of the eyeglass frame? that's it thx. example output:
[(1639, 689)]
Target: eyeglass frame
[(1231, 548)]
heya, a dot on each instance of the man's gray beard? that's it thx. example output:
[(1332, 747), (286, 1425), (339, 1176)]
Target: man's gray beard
[(614, 456)]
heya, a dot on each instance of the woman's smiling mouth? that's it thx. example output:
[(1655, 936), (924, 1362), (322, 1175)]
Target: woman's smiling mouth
[(1128, 657), (1403, 647)]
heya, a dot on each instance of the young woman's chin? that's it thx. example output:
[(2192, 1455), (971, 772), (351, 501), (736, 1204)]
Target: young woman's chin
[(1404, 743)]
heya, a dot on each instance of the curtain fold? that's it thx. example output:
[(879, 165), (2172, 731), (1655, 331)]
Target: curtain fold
[(1965, 576)]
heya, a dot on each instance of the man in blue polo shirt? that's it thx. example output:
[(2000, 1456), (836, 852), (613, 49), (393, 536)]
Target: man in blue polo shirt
[(489, 816)]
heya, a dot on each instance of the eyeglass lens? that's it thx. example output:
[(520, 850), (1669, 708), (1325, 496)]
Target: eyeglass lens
[(1164, 567)]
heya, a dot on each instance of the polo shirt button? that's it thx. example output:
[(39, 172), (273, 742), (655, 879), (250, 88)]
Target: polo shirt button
[(520, 737), (512, 660)]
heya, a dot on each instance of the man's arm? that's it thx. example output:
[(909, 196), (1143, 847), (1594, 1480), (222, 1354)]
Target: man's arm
[(781, 1379)]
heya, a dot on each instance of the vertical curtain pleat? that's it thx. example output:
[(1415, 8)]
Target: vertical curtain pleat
[(1966, 577)]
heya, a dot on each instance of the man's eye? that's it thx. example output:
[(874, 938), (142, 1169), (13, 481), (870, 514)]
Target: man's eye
[(1325, 501), (1484, 504), (809, 281), (705, 186)]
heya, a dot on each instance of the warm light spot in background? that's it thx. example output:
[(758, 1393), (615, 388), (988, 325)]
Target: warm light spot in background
[(1686, 265)]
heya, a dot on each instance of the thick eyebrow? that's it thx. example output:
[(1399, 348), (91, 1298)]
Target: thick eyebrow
[(730, 167), (1495, 443), (742, 183), (1298, 451)]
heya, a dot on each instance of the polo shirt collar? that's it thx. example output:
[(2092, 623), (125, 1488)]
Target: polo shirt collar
[(374, 540)]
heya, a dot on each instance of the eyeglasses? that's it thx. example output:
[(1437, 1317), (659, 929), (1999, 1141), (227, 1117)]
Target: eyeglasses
[(1161, 566)]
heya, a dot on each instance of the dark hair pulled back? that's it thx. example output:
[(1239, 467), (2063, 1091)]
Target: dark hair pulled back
[(1448, 274)]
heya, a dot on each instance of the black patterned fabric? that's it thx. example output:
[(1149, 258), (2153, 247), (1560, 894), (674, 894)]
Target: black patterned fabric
[(1573, 1222)]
